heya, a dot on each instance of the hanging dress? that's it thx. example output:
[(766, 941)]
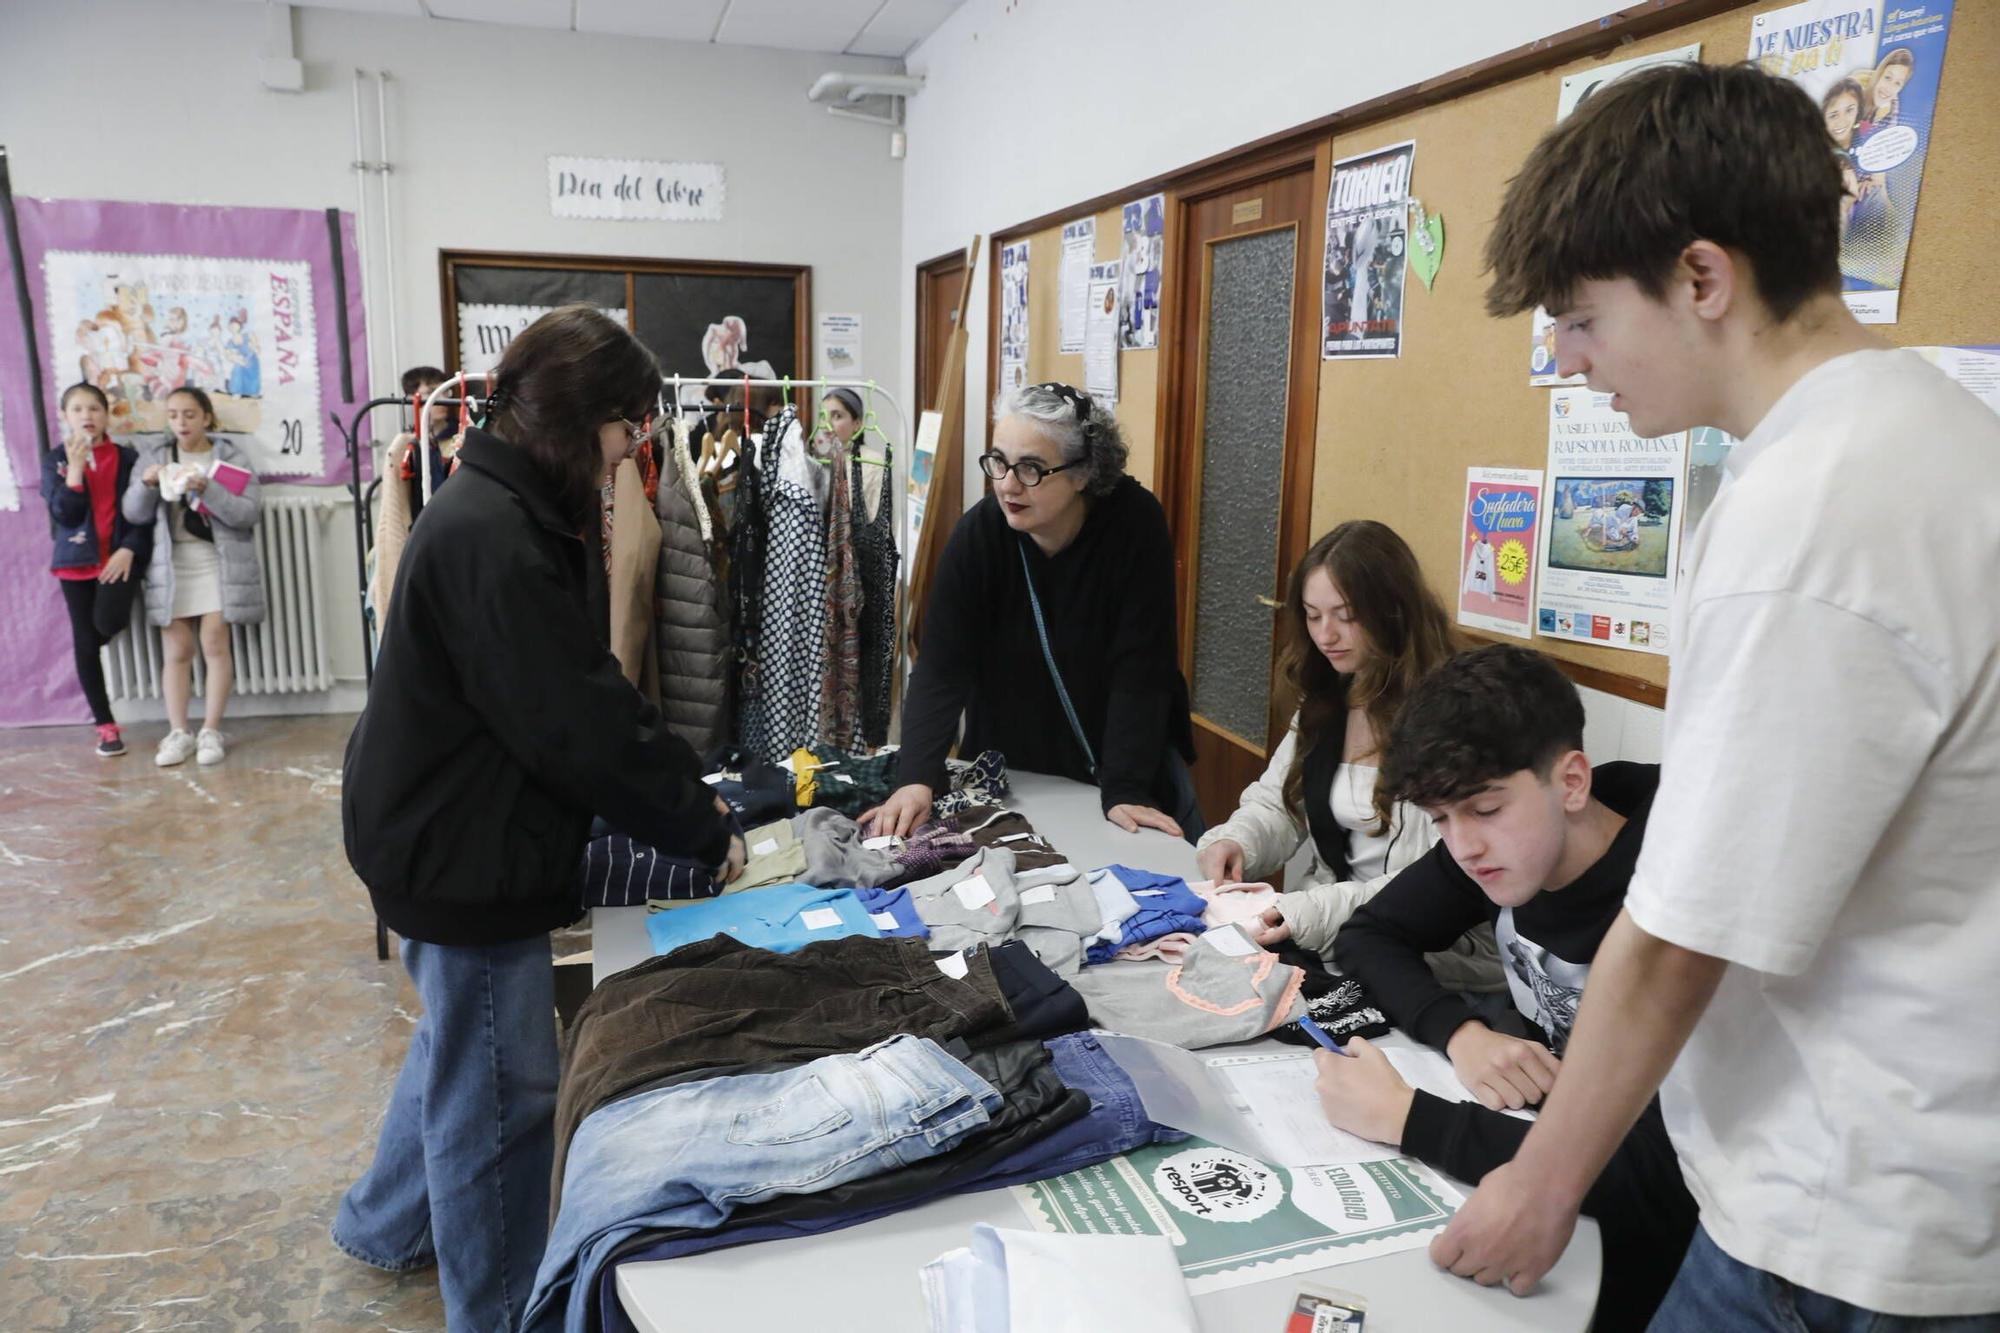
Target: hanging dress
[(840, 690), (875, 552), (792, 654), (749, 536)]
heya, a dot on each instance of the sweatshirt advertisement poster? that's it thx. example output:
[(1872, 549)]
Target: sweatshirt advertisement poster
[(1367, 242), (1234, 1219), (1871, 66), (1496, 559), (1611, 504)]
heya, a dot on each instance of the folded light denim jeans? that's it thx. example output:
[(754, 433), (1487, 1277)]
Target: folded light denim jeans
[(689, 1154)]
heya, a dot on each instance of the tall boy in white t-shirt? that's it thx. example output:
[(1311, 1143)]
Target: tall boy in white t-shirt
[(1807, 955)]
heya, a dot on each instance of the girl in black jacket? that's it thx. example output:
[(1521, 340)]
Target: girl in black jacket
[(98, 555), (497, 725)]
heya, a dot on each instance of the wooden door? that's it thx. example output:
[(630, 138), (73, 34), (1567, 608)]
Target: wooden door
[(940, 284), (1236, 461)]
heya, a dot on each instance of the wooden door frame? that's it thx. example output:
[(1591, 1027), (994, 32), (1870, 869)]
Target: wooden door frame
[(1177, 461), (950, 480)]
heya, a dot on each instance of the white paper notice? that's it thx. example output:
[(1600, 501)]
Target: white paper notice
[(974, 893), (819, 918), (1231, 941), (840, 346), (10, 490), (1079, 247), (1100, 334), (1263, 1103), (1611, 520)]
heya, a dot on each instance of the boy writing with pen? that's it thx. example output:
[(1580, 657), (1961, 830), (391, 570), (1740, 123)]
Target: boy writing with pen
[(1541, 845)]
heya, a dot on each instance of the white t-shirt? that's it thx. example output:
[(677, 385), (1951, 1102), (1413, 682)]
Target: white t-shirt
[(1354, 810), (1829, 820)]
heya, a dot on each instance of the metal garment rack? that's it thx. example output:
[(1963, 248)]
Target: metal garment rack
[(443, 396), (364, 529)]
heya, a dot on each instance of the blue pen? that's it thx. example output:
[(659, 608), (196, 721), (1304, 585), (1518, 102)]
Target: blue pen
[(1318, 1034)]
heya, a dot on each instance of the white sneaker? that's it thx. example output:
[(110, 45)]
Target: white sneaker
[(208, 749), (175, 747)]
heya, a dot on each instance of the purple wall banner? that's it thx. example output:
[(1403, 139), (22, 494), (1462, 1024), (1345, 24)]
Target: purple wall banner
[(138, 299)]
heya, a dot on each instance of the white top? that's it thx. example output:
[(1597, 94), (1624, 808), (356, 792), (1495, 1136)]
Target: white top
[(1829, 820), (1354, 810)]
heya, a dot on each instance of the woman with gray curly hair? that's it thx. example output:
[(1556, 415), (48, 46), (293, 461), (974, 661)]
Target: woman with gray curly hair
[(1050, 627)]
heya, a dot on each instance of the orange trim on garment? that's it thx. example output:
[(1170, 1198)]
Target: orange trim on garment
[(1264, 963)]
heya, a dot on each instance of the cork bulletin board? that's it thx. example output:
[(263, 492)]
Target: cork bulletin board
[(1394, 437)]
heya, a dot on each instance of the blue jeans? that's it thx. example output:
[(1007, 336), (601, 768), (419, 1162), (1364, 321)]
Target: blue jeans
[(461, 1173), (1714, 1291), (689, 1154)]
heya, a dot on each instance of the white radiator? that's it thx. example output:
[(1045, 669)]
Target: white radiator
[(287, 654)]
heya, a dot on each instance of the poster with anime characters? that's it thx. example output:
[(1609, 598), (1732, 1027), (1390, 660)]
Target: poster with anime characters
[(1367, 239), (1872, 68), (139, 326)]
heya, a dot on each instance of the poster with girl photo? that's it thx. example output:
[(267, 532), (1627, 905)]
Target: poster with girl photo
[(1142, 256), (1872, 67)]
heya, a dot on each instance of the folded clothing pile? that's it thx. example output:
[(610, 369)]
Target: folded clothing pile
[(723, 1094)]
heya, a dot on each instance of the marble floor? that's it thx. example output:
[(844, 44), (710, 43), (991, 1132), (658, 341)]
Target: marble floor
[(196, 1039)]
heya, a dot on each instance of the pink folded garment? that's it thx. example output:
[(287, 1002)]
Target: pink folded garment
[(1230, 904), (1173, 948)]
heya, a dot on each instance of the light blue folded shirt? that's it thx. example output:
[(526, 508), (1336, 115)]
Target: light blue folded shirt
[(783, 918)]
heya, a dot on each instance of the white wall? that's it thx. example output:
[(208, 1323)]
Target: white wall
[(159, 101), (1031, 106)]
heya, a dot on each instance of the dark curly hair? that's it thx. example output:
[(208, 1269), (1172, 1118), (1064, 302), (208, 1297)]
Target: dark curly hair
[(1481, 716)]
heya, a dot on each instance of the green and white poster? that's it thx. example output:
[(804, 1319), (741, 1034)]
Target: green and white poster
[(1235, 1220)]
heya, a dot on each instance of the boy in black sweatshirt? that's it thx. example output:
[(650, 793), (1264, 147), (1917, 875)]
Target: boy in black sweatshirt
[(1540, 845)]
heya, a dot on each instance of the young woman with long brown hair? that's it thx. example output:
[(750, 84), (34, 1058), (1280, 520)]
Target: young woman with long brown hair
[(497, 725), (1361, 629)]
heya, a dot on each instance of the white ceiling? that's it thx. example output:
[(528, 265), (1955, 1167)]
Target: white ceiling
[(850, 27)]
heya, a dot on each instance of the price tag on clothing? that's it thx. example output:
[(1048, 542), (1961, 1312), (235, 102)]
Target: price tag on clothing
[(1231, 941), (713, 779), (765, 848), (883, 920), (1016, 837), (952, 965), (819, 918), (974, 893), (1045, 893), (886, 842)]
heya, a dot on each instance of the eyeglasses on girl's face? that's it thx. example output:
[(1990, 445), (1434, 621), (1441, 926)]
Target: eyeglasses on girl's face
[(1029, 471)]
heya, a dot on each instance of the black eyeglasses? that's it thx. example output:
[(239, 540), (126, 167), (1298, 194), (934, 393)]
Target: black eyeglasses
[(1029, 471)]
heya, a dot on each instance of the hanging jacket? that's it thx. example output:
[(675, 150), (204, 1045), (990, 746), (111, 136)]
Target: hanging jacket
[(233, 519), (690, 611), (840, 685), (392, 529), (74, 526), (635, 559), (875, 551)]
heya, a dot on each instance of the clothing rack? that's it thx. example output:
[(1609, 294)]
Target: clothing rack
[(364, 526)]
